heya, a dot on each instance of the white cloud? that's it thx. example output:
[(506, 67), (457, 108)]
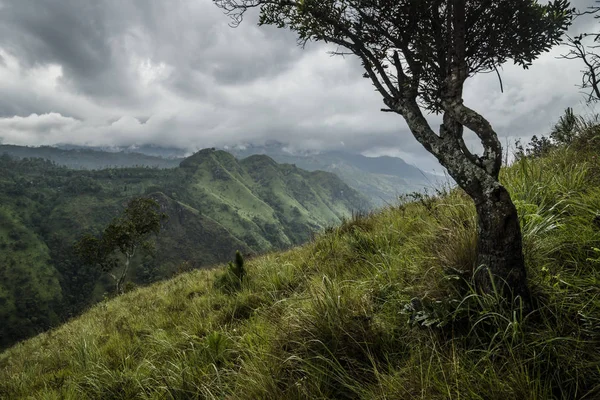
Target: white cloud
[(175, 74)]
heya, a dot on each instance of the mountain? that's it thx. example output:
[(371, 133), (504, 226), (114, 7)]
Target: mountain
[(215, 203), (382, 179), (379, 307), (147, 149), (89, 158)]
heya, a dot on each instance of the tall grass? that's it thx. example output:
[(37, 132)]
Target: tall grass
[(381, 307)]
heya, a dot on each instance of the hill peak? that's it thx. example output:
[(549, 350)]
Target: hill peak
[(203, 155)]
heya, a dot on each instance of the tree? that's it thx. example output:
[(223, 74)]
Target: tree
[(122, 238), (418, 54), (584, 47)]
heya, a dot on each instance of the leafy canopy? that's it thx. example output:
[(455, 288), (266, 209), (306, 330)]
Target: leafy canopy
[(123, 235)]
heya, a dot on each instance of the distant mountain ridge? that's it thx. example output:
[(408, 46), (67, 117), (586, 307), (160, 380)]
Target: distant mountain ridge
[(89, 158), (148, 149), (381, 179)]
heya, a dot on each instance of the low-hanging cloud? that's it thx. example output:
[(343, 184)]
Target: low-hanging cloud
[(173, 73)]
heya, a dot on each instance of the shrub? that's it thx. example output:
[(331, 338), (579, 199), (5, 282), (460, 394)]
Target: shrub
[(231, 280)]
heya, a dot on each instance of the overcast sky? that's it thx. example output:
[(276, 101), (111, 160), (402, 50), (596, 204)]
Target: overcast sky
[(173, 73)]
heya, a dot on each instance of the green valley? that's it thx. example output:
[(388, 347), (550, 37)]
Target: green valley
[(215, 204)]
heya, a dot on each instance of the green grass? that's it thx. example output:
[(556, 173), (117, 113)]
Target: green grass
[(380, 307)]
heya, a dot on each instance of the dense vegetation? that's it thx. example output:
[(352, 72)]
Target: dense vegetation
[(381, 307), (215, 206), (381, 179), (87, 158)]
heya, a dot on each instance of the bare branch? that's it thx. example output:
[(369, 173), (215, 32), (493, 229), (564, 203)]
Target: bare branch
[(590, 78)]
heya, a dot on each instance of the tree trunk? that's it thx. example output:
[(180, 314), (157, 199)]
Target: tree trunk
[(123, 275), (500, 264)]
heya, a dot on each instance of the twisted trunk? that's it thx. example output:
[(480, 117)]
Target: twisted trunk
[(500, 264)]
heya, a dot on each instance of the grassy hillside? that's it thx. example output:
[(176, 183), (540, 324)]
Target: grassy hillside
[(380, 307), (216, 205), (381, 179)]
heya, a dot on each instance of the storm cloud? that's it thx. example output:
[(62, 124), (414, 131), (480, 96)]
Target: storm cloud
[(174, 73)]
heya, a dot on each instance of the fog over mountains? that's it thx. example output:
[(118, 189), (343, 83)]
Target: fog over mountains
[(174, 73)]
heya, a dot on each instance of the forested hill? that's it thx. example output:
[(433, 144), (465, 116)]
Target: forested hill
[(88, 158), (216, 205), (381, 179)]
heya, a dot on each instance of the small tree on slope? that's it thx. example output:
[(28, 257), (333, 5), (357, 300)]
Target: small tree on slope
[(418, 55), (125, 235)]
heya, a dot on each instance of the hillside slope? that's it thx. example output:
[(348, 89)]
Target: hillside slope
[(381, 179), (216, 205), (380, 307)]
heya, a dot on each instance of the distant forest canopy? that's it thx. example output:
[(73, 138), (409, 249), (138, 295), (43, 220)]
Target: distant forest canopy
[(381, 179), (89, 158), (215, 205)]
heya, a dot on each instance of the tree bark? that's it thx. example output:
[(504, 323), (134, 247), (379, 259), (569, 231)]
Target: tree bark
[(123, 275), (500, 264)]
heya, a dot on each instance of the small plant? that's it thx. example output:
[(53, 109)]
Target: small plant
[(567, 128), (429, 313), (425, 199), (231, 280), (217, 346)]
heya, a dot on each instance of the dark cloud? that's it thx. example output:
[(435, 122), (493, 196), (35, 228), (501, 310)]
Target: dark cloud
[(11, 106), (74, 34), (172, 72), (99, 43)]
